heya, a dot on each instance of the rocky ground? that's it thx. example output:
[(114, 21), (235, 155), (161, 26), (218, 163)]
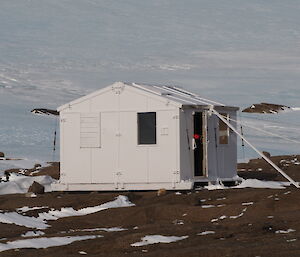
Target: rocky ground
[(228, 222), (266, 108)]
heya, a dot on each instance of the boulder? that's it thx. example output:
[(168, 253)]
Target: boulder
[(36, 188), (37, 166), (161, 191), (266, 154), (2, 155), (7, 175)]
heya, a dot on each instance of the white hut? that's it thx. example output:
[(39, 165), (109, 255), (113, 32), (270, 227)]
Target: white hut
[(131, 136)]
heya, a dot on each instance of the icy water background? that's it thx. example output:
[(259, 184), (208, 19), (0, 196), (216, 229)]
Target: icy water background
[(234, 51)]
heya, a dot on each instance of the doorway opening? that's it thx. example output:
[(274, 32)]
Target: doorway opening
[(198, 144)]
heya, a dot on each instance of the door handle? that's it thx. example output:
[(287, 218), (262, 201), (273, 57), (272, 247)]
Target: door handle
[(194, 144)]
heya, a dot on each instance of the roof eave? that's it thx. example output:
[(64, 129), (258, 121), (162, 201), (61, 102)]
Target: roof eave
[(207, 107)]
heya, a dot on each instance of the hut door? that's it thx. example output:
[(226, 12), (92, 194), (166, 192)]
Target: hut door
[(198, 146)]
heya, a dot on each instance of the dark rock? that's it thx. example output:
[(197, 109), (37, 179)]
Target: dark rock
[(267, 154), (132, 196), (195, 201), (36, 188), (37, 166), (2, 155), (161, 192), (266, 108), (7, 175)]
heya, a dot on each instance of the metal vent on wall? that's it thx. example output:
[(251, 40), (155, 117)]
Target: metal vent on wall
[(90, 130)]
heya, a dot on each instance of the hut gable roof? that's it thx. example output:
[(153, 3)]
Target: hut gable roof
[(175, 95)]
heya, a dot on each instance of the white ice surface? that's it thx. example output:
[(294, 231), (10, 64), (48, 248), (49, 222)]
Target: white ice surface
[(44, 242), (40, 222), (19, 184), (154, 239), (239, 53)]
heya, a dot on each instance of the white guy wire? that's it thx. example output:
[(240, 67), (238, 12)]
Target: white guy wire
[(264, 131), (296, 184)]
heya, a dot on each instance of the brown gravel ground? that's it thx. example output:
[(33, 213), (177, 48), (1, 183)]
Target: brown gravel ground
[(252, 234)]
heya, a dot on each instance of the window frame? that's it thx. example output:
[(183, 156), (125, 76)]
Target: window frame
[(140, 139), (223, 133)]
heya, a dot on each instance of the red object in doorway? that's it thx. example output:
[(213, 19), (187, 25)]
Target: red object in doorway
[(197, 136)]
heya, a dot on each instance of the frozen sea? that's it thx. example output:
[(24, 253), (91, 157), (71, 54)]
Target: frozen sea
[(234, 51)]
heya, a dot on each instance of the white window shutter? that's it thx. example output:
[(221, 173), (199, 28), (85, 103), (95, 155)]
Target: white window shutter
[(90, 130)]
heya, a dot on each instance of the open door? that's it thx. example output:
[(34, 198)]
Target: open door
[(199, 144)]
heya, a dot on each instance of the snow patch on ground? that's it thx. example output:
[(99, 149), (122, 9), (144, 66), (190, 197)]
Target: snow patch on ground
[(291, 240), (285, 231), (255, 183), (207, 206), (252, 183), (26, 208), (40, 222), (44, 242), (246, 204), (121, 201), (19, 184), (20, 220), (215, 187), (204, 233), (33, 233), (220, 218), (239, 215), (155, 239), (113, 229)]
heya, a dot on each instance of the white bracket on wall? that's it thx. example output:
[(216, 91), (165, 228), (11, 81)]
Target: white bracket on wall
[(175, 178), (118, 183), (118, 89)]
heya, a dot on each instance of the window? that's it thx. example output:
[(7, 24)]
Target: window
[(89, 130), (146, 128), (223, 130)]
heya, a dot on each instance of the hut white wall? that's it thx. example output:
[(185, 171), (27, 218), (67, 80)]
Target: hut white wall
[(120, 160), (186, 152), (222, 158)]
